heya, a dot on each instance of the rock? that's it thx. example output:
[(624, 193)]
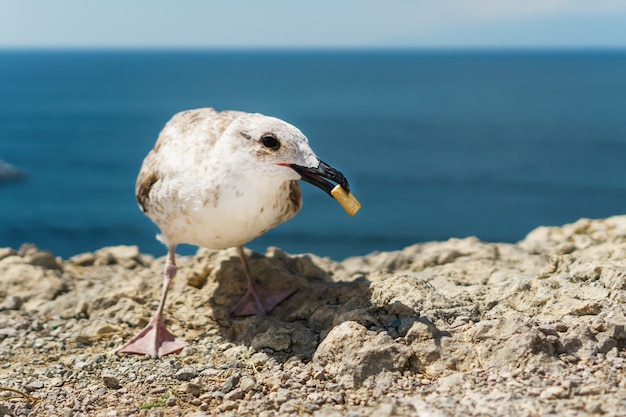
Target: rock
[(247, 384), (230, 384), (259, 359), (12, 302), (126, 256), (460, 327), (34, 385), (44, 259), (10, 173), (83, 259), (110, 380), (552, 393), (351, 354), (407, 295), (6, 252), (275, 339), (186, 373), (234, 395), (190, 388), (421, 331)]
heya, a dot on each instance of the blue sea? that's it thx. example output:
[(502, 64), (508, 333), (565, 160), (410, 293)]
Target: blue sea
[(436, 144)]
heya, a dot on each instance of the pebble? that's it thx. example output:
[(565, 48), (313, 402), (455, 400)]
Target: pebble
[(34, 385), (555, 392), (282, 395), (6, 252), (259, 359), (191, 388), (548, 329), (110, 381), (230, 383), (7, 332), (228, 405), (83, 259), (561, 327), (158, 390), (12, 302), (275, 339), (186, 373), (234, 395), (594, 407), (56, 382), (247, 384), (460, 321), (45, 260)]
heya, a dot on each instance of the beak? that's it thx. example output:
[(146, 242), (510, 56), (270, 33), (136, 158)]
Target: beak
[(316, 176)]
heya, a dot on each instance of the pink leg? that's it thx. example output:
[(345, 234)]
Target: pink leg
[(155, 340), (257, 300)]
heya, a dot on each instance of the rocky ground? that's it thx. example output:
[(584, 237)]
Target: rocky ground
[(460, 327)]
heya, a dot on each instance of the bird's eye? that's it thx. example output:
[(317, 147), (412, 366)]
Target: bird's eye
[(270, 142)]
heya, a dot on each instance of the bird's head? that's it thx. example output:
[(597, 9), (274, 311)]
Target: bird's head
[(282, 149)]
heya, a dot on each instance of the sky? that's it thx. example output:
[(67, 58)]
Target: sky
[(313, 24)]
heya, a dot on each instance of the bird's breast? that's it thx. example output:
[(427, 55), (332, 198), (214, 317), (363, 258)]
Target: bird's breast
[(226, 215)]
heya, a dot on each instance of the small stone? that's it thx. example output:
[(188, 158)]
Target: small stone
[(594, 407), (28, 249), (6, 252), (283, 395), (186, 373), (230, 384), (56, 382), (36, 325), (45, 260), (552, 393), (460, 321), (336, 397), (99, 358), (561, 327), (548, 330), (259, 359), (228, 405), (127, 256), (158, 390), (420, 331), (34, 385), (277, 339), (234, 395), (7, 332), (590, 389), (190, 388), (83, 259), (247, 384), (78, 364), (110, 381), (316, 397), (12, 302)]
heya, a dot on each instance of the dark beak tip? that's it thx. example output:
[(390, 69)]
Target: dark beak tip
[(318, 175)]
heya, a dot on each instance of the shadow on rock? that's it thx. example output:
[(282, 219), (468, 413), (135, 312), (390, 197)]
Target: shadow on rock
[(353, 327)]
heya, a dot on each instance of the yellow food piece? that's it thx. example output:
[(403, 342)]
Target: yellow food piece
[(347, 201)]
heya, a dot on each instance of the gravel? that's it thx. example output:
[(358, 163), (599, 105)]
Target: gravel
[(460, 327)]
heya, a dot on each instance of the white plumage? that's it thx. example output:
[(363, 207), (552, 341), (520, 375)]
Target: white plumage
[(218, 180)]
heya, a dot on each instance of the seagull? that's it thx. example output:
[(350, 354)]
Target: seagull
[(219, 179)]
